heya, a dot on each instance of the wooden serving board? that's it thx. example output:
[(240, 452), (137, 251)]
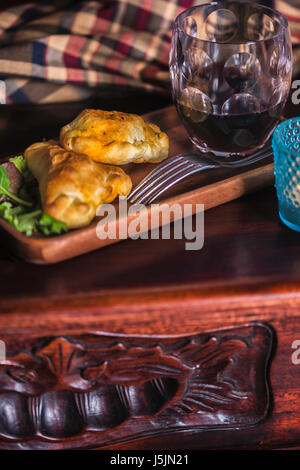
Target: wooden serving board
[(211, 188)]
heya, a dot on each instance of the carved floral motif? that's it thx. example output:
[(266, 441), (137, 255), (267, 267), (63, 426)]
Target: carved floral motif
[(61, 389)]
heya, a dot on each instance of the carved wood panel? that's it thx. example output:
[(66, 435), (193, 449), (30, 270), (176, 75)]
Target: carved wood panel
[(93, 389)]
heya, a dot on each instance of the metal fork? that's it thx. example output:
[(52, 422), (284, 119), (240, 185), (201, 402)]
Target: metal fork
[(181, 166)]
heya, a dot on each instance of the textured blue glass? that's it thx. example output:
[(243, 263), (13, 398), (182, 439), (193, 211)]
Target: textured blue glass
[(286, 149)]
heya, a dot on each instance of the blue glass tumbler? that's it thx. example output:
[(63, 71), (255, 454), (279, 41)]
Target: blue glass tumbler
[(286, 149)]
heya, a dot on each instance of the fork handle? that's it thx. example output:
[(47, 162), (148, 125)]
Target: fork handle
[(148, 199)]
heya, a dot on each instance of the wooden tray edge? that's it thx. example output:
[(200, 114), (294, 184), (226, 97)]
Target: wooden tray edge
[(37, 249)]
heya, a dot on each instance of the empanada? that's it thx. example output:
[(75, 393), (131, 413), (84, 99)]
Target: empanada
[(71, 185), (115, 137)]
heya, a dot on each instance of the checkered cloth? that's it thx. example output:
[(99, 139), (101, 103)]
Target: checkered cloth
[(63, 50), (291, 10)]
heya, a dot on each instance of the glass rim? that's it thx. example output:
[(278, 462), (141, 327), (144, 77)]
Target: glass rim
[(283, 22), (277, 140)]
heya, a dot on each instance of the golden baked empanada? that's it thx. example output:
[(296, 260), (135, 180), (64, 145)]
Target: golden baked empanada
[(115, 137), (72, 186)]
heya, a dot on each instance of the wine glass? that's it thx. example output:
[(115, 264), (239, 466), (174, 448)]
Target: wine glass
[(231, 68)]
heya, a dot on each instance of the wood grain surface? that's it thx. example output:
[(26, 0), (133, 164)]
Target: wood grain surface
[(86, 390), (247, 271)]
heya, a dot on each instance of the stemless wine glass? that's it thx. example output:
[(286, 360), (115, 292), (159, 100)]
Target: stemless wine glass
[(230, 67)]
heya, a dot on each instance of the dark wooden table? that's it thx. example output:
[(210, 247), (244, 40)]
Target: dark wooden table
[(146, 345)]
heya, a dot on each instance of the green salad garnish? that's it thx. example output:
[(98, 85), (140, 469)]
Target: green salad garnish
[(24, 211)]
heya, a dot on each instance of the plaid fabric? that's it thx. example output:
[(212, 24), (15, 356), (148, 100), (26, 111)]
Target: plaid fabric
[(291, 10), (61, 50), (64, 50)]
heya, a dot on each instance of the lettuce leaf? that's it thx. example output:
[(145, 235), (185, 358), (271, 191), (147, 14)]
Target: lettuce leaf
[(48, 225), (19, 218), (4, 188), (26, 214), (20, 163), (31, 222)]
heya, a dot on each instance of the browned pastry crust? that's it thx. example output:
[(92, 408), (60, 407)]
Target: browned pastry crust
[(71, 185), (115, 137)]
